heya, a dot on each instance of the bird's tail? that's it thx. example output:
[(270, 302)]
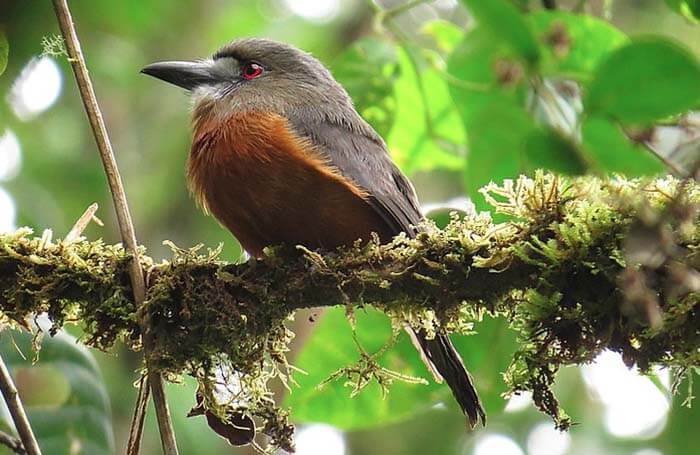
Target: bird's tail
[(443, 360)]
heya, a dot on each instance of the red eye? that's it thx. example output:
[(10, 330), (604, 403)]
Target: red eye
[(251, 71)]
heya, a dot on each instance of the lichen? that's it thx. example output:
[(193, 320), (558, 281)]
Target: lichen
[(581, 266)]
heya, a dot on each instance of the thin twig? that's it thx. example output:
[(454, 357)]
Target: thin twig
[(649, 145), (12, 443), (19, 417), (87, 93), (136, 428)]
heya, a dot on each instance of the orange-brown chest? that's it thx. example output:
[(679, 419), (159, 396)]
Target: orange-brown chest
[(268, 186)]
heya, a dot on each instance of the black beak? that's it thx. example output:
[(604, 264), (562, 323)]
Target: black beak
[(188, 75)]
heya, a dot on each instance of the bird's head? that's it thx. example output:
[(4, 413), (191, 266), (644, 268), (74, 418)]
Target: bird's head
[(253, 74)]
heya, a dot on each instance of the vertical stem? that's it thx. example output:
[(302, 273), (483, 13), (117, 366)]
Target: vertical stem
[(133, 446), (126, 227), (19, 417)]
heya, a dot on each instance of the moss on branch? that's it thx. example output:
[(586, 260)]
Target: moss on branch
[(583, 265)]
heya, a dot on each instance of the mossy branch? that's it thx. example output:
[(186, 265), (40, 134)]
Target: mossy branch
[(583, 265)]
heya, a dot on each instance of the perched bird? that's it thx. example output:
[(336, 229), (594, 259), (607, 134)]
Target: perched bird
[(281, 156)]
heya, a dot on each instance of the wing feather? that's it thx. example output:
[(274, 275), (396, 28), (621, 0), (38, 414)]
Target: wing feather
[(364, 159)]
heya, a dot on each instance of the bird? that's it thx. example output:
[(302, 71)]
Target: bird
[(281, 156)]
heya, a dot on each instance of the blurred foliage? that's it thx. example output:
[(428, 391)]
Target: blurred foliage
[(688, 8), (664, 73), (368, 71), (64, 394), (463, 95)]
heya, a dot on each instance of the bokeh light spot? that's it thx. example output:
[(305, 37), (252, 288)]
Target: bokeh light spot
[(648, 451), (519, 402), (36, 89), (10, 155), (320, 439), (620, 389), (545, 439), (496, 443), (314, 10)]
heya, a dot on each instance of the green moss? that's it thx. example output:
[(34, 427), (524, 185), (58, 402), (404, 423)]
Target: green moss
[(583, 265)]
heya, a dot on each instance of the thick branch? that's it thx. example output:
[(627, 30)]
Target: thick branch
[(584, 265)]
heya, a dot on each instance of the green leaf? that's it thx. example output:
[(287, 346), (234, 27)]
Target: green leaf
[(690, 9), (547, 149), (498, 135), (504, 140), (411, 142), (607, 146), (574, 44), (4, 51), (485, 106), (368, 71), (645, 81), (507, 24), (476, 85), (331, 347), (63, 394)]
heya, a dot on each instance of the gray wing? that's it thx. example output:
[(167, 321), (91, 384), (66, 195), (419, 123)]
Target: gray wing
[(363, 158)]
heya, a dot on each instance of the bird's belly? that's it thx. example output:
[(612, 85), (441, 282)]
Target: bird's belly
[(290, 205), (268, 188)]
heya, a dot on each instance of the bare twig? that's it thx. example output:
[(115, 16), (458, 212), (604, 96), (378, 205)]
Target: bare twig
[(87, 93), (19, 417), (136, 428), (12, 443)]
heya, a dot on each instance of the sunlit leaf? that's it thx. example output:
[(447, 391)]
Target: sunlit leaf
[(368, 71), (64, 395), (574, 44), (607, 146), (645, 81), (414, 145), (506, 23)]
